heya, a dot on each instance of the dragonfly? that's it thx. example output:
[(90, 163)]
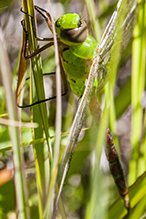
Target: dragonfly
[(85, 62)]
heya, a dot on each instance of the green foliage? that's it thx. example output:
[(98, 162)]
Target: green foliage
[(7, 200)]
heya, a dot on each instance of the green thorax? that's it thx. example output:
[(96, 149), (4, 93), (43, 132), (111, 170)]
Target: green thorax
[(77, 57)]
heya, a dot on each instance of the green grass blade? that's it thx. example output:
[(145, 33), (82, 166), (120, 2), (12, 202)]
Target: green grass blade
[(39, 113), (20, 182), (95, 207), (138, 83), (58, 123), (137, 196), (93, 19)]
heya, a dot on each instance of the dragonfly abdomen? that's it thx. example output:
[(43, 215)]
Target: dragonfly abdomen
[(116, 169), (77, 70)]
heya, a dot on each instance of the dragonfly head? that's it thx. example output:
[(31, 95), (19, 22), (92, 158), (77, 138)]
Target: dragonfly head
[(71, 29)]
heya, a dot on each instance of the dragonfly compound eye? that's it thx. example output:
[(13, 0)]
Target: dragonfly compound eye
[(75, 36)]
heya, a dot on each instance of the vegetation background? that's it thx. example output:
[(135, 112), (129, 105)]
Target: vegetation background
[(85, 194)]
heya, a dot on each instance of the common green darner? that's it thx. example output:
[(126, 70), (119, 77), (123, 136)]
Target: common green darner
[(86, 63)]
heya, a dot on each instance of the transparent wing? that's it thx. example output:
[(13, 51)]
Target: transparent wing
[(110, 38)]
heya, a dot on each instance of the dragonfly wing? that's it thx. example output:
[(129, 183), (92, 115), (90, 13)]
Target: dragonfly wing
[(128, 25), (111, 36), (76, 128), (115, 38)]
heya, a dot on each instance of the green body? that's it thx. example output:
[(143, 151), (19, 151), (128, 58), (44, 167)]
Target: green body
[(77, 59)]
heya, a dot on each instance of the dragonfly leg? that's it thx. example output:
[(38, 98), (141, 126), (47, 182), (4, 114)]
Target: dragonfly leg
[(38, 38), (54, 97), (26, 40), (47, 99), (112, 156), (26, 45), (46, 16), (33, 27), (35, 53), (41, 101)]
